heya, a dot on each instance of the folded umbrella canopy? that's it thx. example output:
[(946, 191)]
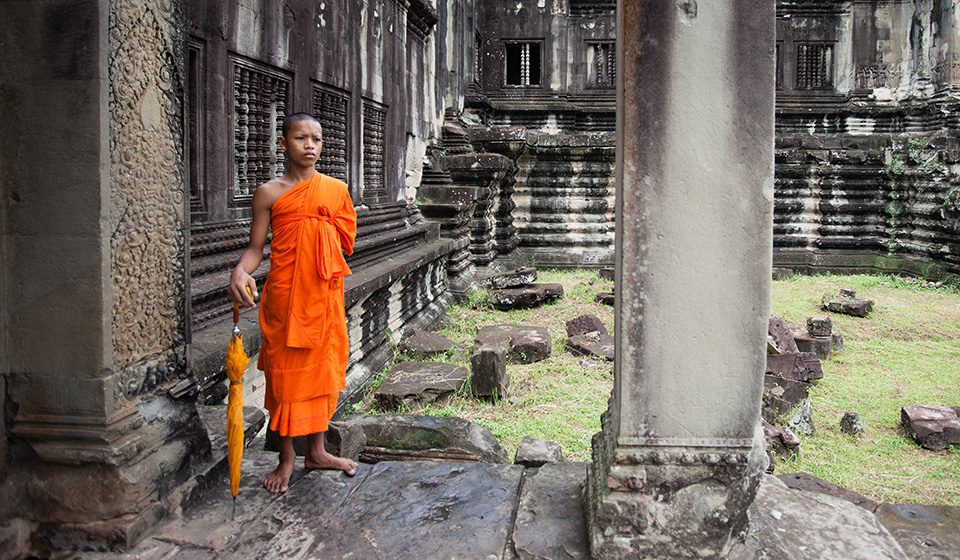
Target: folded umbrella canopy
[(237, 362)]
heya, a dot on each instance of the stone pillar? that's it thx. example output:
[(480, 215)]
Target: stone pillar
[(681, 452), (104, 425)]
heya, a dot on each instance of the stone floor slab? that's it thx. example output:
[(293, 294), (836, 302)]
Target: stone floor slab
[(423, 509), (550, 519), (924, 532)]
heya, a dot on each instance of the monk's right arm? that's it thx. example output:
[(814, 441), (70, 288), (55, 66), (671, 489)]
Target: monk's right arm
[(240, 278)]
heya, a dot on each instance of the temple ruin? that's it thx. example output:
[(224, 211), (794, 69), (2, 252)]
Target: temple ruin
[(475, 136)]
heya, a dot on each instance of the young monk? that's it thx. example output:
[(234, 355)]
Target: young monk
[(304, 350)]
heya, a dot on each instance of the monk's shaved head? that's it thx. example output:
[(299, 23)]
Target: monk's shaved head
[(297, 117)]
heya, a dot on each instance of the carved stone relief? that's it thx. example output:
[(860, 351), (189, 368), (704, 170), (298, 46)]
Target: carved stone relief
[(147, 186)]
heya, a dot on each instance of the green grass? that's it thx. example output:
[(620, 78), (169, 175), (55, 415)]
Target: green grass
[(906, 352)]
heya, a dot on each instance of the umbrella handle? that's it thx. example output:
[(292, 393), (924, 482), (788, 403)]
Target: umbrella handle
[(236, 307)]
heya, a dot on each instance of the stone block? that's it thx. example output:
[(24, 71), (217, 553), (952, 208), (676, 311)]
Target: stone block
[(820, 326), (819, 345), (607, 273), (593, 344), (783, 394), (536, 452), (779, 338), (782, 441), (411, 438), (550, 519), (511, 279), (488, 369), (606, 298), (416, 384), (802, 421), (420, 344), (810, 483), (851, 424), (836, 340), (527, 344), (933, 427), (341, 439), (585, 324), (782, 273), (799, 366), (847, 303), (531, 295)]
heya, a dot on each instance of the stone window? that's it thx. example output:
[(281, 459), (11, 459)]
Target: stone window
[(814, 66), (522, 63), (602, 64), (259, 106), (330, 108), (374, 120), (195, 126)]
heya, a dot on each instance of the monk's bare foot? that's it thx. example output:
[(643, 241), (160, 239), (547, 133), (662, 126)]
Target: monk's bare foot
[(278, 481), (329, 462)]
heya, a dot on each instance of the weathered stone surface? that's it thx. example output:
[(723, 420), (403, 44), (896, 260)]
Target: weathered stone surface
[(810, 483), (607, 273), (415, 384), (799, 366), (340, 439), (488, 369), (782, 441), (512, 279), (527, 344), (536, 452), (593, 344), (531, 295), (606, 298), (802, 421), (836, 340), (406, 437), (435, 510), (925, 532), (819, 345), (847, 304), (783, 394), (779, 338), (550, 521), (795, 525), (585, 324), (851, 424), (782, 274), (420, 344), (820, 326), (933, 427)]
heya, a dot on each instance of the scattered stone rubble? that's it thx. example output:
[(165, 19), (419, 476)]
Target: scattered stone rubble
[(847, 303), (517, 289), (419, 344), (933, 427), (536, 452), (495, 346), (851, 424), (587, 336), (413, 438), (413, 385)]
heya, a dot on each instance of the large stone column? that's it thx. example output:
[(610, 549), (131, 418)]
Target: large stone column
[(681, 451), (94, 277)]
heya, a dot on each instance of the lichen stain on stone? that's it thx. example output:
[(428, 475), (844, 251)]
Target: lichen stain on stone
[(688, 11)]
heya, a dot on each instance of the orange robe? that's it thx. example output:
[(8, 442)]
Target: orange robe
[(305, 347)]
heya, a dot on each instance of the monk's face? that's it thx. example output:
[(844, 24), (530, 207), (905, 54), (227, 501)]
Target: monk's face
[(303, 143)]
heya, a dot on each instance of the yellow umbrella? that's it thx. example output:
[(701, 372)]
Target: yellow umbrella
[(237, 361)]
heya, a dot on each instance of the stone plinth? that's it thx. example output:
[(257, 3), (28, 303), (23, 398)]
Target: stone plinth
[(681, 452)]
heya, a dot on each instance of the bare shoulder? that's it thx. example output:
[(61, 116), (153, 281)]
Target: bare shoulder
[(269, 192)]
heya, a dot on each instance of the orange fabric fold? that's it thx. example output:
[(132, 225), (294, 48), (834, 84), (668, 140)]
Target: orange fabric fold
[(305, 346)]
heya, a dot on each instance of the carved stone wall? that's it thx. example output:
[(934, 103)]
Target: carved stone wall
[(147, 191)]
